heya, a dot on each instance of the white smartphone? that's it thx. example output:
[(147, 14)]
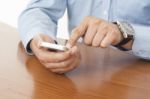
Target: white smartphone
[(52, 46)]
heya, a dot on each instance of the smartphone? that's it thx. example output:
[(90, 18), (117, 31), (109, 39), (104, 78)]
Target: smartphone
[(52, 46)]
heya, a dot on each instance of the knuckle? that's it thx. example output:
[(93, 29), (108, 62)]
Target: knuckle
[(77, 63), (77, 32), (103, 45), (47, 65), (65, 56), (95, 43), (75, 36), (105, 27), (113, 32), (57, 71), (96, 22), (38, 54), (71, 68), (87, 41), (72, 40), (113, 39), (101, 33), (104, 24), (64, 64), (52, 70), (42, 59)]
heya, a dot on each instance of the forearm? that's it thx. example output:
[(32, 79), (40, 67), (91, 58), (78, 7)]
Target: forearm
[(33, 22), (40, 18)]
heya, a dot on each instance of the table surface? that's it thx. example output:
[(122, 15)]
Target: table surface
[(102, 74)]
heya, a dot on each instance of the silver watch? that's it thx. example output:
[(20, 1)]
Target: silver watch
[(128, 33), (126, 29)]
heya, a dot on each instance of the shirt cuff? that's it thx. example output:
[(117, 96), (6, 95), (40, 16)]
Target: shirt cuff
[(141, 46), (26, 39)]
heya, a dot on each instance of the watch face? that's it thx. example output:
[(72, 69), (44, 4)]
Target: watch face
[(127, 29)]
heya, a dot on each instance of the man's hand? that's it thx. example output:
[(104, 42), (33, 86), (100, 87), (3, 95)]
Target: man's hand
[(96, 32), (57, 62)]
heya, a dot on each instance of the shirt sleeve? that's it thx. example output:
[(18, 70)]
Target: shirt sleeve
[(40, 16), (141, 45)]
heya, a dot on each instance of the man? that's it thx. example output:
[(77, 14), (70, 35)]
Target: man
[(124, 24)]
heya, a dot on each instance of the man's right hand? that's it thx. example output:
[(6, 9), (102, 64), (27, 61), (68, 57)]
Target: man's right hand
[(57, 62)]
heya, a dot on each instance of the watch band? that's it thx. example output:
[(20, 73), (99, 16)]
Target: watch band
[(123, 42), (128, 33)]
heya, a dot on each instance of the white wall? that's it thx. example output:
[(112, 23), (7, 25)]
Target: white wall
[(62, 27), (11, 9)]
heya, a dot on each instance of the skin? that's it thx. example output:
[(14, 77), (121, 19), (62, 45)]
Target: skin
[(97, 33), (57, 62)]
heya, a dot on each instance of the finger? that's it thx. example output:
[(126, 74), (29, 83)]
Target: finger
[(74, 50), (101, 33), (76, 60), (91, 31), (109, 38), (78, 32), (69, 68), (62, 64), (55, 56), (49, 56), (98, 38)]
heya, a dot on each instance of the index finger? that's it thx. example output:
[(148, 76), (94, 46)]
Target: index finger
[(78, 32)]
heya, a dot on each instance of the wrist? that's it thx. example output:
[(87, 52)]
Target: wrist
[(119, 36), (128, 35), (128, 46)]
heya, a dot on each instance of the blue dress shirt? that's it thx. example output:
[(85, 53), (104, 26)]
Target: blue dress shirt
[(41, 16)]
